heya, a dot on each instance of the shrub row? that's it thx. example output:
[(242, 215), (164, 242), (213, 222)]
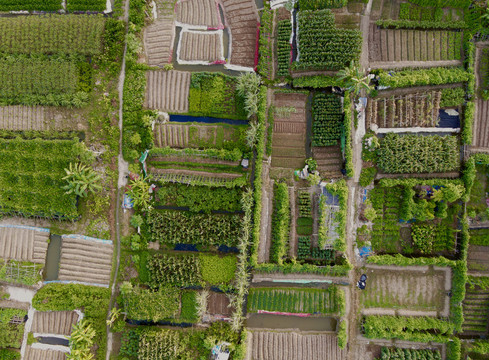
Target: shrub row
[(423, 24), (421, 77), (280, 223)]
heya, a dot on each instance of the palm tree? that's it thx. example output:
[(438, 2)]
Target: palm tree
[(353, 79), (81, 180)]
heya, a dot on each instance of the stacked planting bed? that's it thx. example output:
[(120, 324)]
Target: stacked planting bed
[(24, 117), (481, 125), (329, 160), (388, 45), (85, 260), (478, 258), (294, 346), (158, 37), (475, 310), (41, 354), (242, 19), (203, 47), (54, 322), (218, 304), (411, 110), (198, 13), (167, 90), (25, 244), (289, 130)]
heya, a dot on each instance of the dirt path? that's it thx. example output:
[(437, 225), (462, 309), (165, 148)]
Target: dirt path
[(123, 170)]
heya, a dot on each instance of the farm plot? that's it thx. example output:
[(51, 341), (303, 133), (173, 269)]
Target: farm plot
[(478, 258), (308, 301), (479, 237), (411, 110), (79, 34), (12, 327), (321, 45), (167, 90), (158, 36), (41, 354), (198, 13), (289, 130), (267, 345), (329, 160), (242, 19), (389, 45), (54, 322), (201, 47), (85, 260), (218, 304), (23, 243), (37, 118), (31, 174), (193, 135), (409, 290), (475, 310), (481, 125)]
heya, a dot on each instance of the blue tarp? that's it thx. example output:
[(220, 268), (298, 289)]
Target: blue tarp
[(205, 119), (448, 121), (127, 203), (331, 199), (365, 251)]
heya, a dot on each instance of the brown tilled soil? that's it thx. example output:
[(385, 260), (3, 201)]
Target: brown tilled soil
[(242, 18), (39, 118), (23, 244), (54, 322), (198, 12), (411, 110), (481, 123), (218, 304), (167, 90), (294, 346), (289, 131), (39, 354), (391, 45), (195, 159), (158, 37), (329, 160), (200, 46)]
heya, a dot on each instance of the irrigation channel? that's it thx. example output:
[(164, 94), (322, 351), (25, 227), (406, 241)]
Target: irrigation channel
[(270, 321), (53, 256)]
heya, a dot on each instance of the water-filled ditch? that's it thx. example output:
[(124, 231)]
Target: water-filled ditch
[(52, 259)]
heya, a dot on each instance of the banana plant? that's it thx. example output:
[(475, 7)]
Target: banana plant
[(81, 180)]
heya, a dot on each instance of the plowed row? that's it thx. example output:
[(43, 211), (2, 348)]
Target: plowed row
[(294, 346), (167, 90), (23, 244), (200, 46), (478, 258), (38, 354), (198, 12), (411, 110), (158, 37), (476, 310), (218, 304), (289, 132), (242, 18), (329, 160), (54, 322), (85, 261), (413, 45), (481, 125)]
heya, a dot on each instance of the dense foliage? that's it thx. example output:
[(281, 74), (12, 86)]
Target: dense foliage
[(180, 227), (86, 5), (52, 34), (214, 94), (420, 329), (31, 174), (309, 301), (200, 198), (327, 119), (418, 154), (452, 97), (479, 237), (6, 354), (11, 334), (280, 223), (429, 238), (321, 45), (284, 30), (265, 62), (67, 297), (387, 353), (321, 4), (157, 305), (34, 81), (29, 5), (217, 269), (367, 176), (420, 77), (220, 154), (312, 254)]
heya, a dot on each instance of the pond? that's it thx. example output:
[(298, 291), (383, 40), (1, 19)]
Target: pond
[(269, 321)]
